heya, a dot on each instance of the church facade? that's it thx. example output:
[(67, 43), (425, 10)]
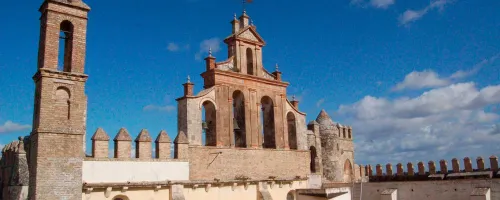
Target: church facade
[(239, 137)]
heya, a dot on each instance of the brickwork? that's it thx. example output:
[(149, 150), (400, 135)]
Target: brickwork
[(207, 163), (143, 145), (100, 144), (123, 144), (163, 144), (57, 139)]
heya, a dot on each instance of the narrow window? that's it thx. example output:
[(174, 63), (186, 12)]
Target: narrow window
[(250, 61), (314, 156), (65, 46), (292, 131), (239, 119)]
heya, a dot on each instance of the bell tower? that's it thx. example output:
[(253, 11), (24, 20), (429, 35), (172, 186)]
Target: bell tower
[(59, 118), (245, 46)]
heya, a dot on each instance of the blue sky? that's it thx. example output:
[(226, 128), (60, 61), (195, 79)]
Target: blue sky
[(418, 80)]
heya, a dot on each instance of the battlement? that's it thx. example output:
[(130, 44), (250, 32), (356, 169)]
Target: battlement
[(123, 145), (445, 172)]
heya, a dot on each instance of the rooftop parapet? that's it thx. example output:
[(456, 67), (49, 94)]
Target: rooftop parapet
[(123, 145), (468, 172)]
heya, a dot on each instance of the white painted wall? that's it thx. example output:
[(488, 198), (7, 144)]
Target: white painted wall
[(133, 171)]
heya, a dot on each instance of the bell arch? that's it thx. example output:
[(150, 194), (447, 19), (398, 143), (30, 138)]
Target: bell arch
[(209, 121), (239, 126), (267, 121), (250, 64), (292, 130), (66, 30)]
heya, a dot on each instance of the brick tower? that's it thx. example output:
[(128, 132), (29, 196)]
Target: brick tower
[(59, 119)]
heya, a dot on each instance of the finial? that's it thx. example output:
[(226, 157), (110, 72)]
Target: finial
[(293, 97), (189, 79), (210, 51), (277, 67), (234, 16), (251, 22)]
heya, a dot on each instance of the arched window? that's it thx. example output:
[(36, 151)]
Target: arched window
[(348, 171), (209, 124), (62, 97), (239, 119), (65, 46), (250, 61), (290, 196), (292, 130), (314, 156), (268, 122), (120, 197)]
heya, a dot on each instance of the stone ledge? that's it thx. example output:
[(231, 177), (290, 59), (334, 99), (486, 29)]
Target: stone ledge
[(244, 149), (187, 183), (135, 159), (485, 174)]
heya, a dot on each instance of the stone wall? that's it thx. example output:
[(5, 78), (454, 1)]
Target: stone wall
[(208, 163), (432, 190)]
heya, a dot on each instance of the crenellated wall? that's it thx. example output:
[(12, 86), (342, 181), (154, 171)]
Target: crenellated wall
[(123, 145), (433, 170)]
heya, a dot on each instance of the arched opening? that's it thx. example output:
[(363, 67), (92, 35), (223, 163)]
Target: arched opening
[(65, 46), (249, 61), (62, 97), (347, 171), (290, 196), (350, 134), (120, 197), (314, 157), (292, 130), (267, 114), (239, 119), (209, 119), (343, 132)]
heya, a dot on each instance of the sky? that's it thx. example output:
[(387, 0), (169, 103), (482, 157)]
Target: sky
[(417, 80)]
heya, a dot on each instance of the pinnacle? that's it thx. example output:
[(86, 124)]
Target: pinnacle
[(181, 138), (323, 115), (143, 136), (123, 135), (163, 137), (100, 135)]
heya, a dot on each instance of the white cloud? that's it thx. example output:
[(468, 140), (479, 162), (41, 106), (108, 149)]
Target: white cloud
[(463, 74), (441, 123), (320, 102), (420, 80), (173, 47), (496, 129), (410, 15), (205, 45), (167, 108), (382, 4), (9, 127)]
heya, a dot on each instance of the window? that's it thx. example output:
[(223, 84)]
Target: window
[(292, 131)]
